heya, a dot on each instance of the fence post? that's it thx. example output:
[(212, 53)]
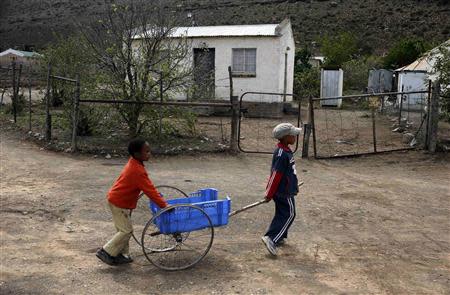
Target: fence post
[(234, 116), (433, 118), (307, 134), (401, 107), (29, 102), (427, 114), (313, 126), (76, 104), (48, 118), (13, 98), (374, 130)]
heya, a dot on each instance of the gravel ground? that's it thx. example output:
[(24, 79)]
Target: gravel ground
[(369, 225)]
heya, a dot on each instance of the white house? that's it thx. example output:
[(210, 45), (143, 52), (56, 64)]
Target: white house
[(415, 76), (261, 57)]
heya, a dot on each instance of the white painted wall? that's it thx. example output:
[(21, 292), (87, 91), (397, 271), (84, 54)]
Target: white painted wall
[(413, 81), (270, 56), (269, 66), (331, 85)]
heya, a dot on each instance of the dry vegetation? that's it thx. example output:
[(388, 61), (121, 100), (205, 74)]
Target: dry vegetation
[(378, 23)]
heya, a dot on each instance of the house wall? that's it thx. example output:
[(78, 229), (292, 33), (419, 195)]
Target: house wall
[(6, 60), (269, 65), (287, 45), (268, 71)]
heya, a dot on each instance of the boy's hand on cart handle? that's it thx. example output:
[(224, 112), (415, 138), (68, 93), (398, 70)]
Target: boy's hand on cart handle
[(170, 209)]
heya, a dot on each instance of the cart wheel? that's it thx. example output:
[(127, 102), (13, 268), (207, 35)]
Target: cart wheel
[(181, 250), (141, 214)]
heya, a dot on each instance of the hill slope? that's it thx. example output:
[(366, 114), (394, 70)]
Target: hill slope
[(378, 23)]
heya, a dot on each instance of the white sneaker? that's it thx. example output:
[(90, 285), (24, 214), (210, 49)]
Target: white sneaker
[(269, 245)]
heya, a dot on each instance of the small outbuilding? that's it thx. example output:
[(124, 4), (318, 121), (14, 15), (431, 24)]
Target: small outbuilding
[(415, 76), (25, 58)]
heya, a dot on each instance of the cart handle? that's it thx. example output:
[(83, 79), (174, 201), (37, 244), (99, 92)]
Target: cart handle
[(253, 205)]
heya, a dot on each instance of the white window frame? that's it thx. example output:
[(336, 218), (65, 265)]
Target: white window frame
[(246, 72)]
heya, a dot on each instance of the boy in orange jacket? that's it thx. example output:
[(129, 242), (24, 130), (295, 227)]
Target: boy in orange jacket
[(122, 199)]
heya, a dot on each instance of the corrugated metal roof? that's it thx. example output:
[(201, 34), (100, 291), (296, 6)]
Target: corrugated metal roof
[(19, 53), (225, 31)]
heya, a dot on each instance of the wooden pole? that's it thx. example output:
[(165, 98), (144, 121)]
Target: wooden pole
[(76, 104), (48, 118), (374, 131), (313, 126), (19, 76), (434, 118), (427, 114), (307, 134), (234, 116), (29, 102), (13, 98), (401, 107)]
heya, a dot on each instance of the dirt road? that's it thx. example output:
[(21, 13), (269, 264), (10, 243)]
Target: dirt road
[(375, 225)]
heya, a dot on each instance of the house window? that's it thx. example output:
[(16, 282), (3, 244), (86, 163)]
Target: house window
[(244, 62)]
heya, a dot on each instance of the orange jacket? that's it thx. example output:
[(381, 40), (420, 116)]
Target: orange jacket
[(132, 180)]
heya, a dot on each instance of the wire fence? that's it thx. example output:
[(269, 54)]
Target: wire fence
[(370, 123), (260, 113)]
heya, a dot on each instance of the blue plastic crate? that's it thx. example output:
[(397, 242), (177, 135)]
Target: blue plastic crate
[(186, 219)]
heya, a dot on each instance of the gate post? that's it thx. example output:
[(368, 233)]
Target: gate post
[(76, 103), (374, 131), (313, 126), (433, 119), (48, 118), (14, 91), (234, 116), (307, 134)]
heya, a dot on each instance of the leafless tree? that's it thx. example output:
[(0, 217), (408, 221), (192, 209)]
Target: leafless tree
[(134, 53)]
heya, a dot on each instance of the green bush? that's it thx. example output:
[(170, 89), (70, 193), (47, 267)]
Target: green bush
[(306, 78), (356, 72), (20, 105), (442, 70), (307, 83), (339, 49), (405, 52)]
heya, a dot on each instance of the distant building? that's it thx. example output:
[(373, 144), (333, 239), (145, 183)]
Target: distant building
[(415, 76), (316, 61), (25, 58), (261, 58), (380, 81)]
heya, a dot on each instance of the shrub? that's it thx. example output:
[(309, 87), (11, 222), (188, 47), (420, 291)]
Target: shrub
[(339, 49), (404, 52), (442, 70), (356, 72)]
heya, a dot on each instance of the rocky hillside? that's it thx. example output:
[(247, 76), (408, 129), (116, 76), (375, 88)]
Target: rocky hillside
[(379, 23)]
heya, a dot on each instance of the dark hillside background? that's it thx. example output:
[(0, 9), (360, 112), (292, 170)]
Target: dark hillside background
[(26, 24)]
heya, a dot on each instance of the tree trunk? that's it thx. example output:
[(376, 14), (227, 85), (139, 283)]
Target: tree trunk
[(133, 121)]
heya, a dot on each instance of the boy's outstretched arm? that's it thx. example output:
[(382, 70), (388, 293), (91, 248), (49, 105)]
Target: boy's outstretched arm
[(146, 185)]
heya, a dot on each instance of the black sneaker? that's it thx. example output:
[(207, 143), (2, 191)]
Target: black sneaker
[(105, 257), (122, 259)]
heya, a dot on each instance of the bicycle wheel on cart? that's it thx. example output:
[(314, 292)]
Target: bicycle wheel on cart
[(177, 237), (141, 214)]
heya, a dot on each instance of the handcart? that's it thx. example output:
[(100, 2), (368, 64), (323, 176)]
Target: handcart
[(180, 235)]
